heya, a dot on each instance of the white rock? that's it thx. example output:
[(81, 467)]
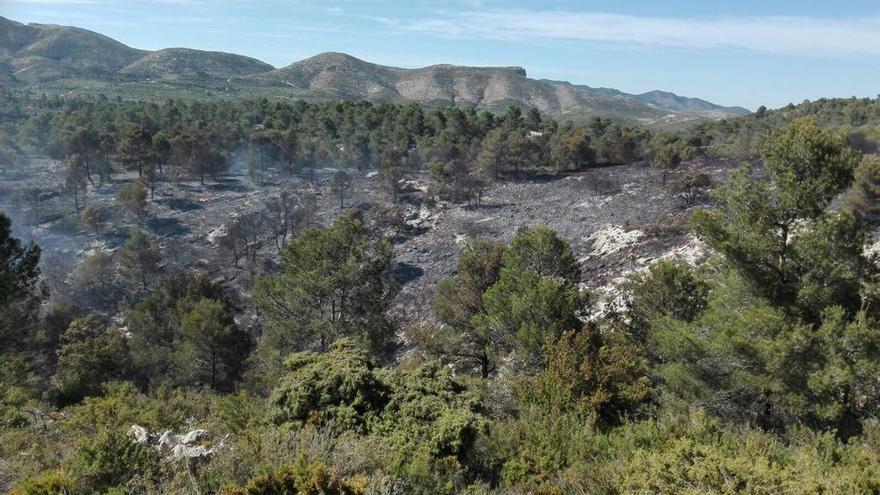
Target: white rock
[(140, 434), (216, 234), (181, 451), (192, 437), (176, 447), (610, 239), (166, 440)]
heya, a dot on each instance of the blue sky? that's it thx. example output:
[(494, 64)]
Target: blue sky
[(744, 52)]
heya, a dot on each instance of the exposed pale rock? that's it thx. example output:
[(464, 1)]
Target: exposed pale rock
[(611, 298), (692, 252), (140, 434), (192, 437), (189, 445), (610, 239)]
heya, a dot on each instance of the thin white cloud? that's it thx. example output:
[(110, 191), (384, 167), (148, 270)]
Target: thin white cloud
[(772, 34), (182, 3), (62, 2)]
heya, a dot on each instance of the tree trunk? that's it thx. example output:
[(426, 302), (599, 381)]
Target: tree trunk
[(89, 171), (213, 368)]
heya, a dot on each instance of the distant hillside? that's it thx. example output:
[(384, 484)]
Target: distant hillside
[(858, 118), (68, 60), (176, 62), (343, 76), (673, 103), (39, 51)]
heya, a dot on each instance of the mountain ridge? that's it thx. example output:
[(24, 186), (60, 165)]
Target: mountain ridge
[(47, 56)]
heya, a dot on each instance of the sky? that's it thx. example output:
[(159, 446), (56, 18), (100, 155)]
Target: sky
[(745, 52)]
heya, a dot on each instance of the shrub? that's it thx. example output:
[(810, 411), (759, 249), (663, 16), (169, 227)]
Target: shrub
[(55, 482), (303, 478)]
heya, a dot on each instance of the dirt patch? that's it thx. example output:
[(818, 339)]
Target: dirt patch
[(606, 214)]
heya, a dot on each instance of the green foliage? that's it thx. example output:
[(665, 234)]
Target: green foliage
[(602, 382), (541, 251), (201, 149), (617, 144), (570, 149), (184, 333), (457, 302), (692, 453), (455, 181), (302, 478), (808, 166), (709, 459), (529, 311), (741, 137), (334, 282), (432, 423), (134, 146), (690, 187), (21, 291), (745, 360), (95, 215), (833, 369), (91, 354), (427, 421), (211, 349), (670, 151), (174, 138), (864, 196), (756, 373), (536, 297), (94, 278), (133, 197), (339, 388), (757, 224), (668, 288), (113, 460), (492, 157), (139, 257), (393, 170), (47, 483), (521, 297), (831, 265)]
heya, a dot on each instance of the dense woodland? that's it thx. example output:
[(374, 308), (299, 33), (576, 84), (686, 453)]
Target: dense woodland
[(757, 371), (461, 148), (740, 137)]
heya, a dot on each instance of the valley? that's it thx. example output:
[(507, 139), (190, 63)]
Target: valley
[(334, 277)]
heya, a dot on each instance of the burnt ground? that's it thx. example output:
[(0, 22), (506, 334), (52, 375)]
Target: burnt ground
[(616, 218)]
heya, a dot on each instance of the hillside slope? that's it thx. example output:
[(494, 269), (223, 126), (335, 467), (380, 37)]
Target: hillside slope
[(69, 60), (42, 51), (343, 76), (176, 62)]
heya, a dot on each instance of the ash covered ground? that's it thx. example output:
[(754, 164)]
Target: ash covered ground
[(618, 219)]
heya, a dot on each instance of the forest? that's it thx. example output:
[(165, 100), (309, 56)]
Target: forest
[(755, 371)]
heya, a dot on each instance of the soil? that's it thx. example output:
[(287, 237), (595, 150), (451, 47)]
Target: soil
[(617, 219)]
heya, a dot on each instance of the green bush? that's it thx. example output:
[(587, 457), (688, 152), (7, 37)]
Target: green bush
[(112, 459), (302, 478), (54, 482)]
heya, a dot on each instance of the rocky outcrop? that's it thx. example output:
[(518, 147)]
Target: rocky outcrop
[(610, 239), (192, 445)]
